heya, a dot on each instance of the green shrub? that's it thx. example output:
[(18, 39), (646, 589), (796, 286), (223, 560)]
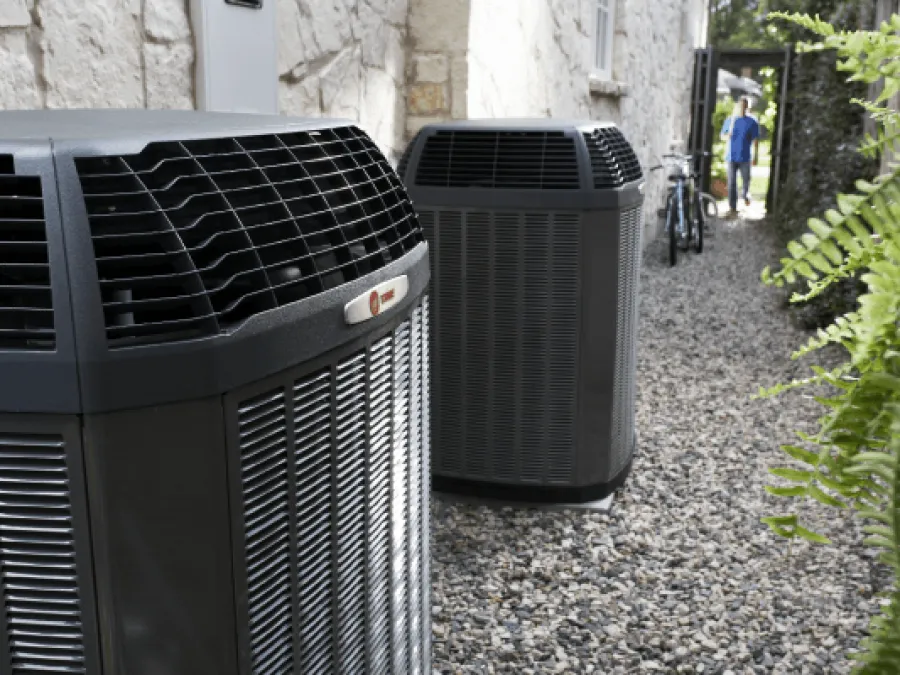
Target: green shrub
[(724, 108), (853, 459)]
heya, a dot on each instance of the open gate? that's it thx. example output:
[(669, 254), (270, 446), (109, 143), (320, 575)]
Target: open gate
[(703, 104), (707, 62)]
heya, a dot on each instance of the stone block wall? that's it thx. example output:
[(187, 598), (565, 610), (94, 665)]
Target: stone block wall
[(345, 59), (102, 53), (654, 57), (533, 59), (393, 65), (337, 58), (437, 74)]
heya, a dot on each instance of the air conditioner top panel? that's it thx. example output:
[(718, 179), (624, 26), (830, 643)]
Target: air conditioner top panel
[(130, 125), (520, 124), (150, 257), (525, 163)]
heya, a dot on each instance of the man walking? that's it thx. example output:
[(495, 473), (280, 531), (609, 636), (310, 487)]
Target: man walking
[(742, 131)]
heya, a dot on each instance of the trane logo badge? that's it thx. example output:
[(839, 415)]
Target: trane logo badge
[(376, 301)]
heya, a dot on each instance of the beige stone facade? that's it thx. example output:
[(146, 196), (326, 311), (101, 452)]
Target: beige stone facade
[(393, 65)]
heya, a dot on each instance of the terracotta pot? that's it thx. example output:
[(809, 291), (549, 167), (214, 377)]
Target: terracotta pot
[(718, 188)]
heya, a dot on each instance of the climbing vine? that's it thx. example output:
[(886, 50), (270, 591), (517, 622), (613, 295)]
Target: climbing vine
[(856, 452)]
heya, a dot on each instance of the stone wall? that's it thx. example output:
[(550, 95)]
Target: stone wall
[(533, 59), (654, 58), (437, 67), (102, 53), (343, 59), (337, 58), (393, 65)]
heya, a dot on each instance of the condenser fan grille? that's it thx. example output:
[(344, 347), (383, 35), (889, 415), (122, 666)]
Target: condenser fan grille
[(334, 478), (525, 160), (613, 161), (40, 600), (26, 303), (192, 238)]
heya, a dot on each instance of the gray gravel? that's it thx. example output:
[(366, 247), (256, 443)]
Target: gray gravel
[(680, 576)]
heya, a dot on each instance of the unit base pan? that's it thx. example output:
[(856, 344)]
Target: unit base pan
[(526, 495)]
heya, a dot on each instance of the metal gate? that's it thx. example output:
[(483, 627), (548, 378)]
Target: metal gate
[(703, 104), (784, 123), (707, 62)]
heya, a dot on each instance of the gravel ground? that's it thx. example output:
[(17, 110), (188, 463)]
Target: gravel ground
[(680, 575)]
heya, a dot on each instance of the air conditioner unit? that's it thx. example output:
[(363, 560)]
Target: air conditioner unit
[(534, 229), (213, 419)]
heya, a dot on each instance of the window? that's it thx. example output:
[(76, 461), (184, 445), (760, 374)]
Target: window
[(604, 28)]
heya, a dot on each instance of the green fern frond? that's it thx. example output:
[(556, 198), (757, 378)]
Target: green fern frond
[(808, 256), (881, 650), (853, 459)]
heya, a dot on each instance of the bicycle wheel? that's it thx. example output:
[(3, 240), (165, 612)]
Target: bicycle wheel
[(698, 223), (684, 217), (671, 230)]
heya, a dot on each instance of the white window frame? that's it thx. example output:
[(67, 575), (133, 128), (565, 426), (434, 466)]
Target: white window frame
[(602, 47)]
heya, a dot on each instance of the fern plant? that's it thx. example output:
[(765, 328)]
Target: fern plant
[(855, 455)]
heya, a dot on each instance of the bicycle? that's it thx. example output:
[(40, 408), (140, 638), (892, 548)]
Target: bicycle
[(684, 206)]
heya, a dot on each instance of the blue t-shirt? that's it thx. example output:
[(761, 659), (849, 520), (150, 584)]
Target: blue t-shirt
[(746, 130)]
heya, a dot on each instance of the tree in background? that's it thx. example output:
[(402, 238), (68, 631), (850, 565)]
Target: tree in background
[(740, 24)]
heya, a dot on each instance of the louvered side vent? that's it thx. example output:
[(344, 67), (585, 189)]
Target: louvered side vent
[(313, 451), (425, 514), (379, 508), (267, 550), (357, 477), (624, 392), (506, 298), (512, 160), (41, 606), (26, 299), (350, 464), (613, 161), (192, 238), (401, 492)]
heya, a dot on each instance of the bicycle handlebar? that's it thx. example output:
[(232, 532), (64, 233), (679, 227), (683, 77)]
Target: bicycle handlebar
[(683, 156)]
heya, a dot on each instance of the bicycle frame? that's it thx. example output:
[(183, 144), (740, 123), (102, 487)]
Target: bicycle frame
[(682, 187)]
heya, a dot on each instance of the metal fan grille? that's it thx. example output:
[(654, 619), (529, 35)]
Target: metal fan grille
[(41, 606), (523, 160), (192, 238), (506, 294), (26, 302), (624, 393), (613, 160), (335, 513)]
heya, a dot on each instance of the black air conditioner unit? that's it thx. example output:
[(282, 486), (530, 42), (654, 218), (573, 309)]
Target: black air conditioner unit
[(213, 419), (534, 231)]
